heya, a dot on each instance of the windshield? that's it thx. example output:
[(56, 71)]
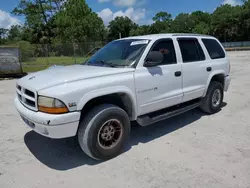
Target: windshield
[(124, 53)]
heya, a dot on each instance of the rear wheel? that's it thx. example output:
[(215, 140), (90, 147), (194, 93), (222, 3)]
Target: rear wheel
[(214, 98), (104, 132)]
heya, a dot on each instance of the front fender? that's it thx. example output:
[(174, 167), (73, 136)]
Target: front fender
[(210, 78), (106, 91)]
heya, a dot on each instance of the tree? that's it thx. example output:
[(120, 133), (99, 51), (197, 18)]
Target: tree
[(162, 23), (201, 28), (245, 21), (39, 18), (162, 17), (120, 26), (201, 21), (3, 35), (78, 23), (15, 33), (183, 23), (26, 50), (141, 30), (199, 16), (225, 22)]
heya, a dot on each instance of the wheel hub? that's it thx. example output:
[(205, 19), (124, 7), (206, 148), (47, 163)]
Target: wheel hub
[(110, 134), (216, 98)]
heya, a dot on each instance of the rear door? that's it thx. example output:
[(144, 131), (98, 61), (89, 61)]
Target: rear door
[(195, 67), (218, 59)]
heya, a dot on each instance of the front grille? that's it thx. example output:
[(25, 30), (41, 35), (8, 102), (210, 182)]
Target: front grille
[(30, 103), (27, 97), (18, 87), (29, 93)]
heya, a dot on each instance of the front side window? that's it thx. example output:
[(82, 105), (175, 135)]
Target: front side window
[(166, 47), (214, 48), (191, 50), (120, 53)]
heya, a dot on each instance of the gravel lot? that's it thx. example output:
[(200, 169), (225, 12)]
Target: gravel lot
[(191, 150)]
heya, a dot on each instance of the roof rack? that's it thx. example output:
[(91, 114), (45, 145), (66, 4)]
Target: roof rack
[(190, 34)]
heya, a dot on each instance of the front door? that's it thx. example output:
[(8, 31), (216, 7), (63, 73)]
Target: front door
[(160, 86)]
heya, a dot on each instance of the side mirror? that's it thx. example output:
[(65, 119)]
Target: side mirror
[(154, 58)]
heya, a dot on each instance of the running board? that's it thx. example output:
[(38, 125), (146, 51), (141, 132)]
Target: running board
[(154, 117)]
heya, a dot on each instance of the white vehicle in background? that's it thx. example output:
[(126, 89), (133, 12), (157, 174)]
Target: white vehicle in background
[(144, 79)]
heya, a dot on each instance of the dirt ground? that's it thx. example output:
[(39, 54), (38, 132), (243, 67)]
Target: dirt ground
[(191, 150)]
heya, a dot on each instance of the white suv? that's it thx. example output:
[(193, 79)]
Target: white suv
[(144, 79)]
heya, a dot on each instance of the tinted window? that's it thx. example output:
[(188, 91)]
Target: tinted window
[(214, 49), (191, 50), (166, 47)]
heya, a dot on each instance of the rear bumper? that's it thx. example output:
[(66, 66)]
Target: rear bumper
[(227, 83), (52, 126)]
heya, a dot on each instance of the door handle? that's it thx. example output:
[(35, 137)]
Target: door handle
[(209, 69), (177, 73)]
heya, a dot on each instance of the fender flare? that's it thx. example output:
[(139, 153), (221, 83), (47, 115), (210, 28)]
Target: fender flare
[(210, 78), (107, 91)]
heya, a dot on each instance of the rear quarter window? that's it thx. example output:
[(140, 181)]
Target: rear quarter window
[(214, 49)]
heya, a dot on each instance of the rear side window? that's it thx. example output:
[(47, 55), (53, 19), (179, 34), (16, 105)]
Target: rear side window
[(166, 47), (191, 50), (214, 48)]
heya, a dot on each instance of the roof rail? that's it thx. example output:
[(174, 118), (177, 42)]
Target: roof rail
[(190, 34)]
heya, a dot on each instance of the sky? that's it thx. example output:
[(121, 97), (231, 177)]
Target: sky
[(140, 11)]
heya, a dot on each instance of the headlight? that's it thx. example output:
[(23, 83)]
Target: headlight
[(51, 105)]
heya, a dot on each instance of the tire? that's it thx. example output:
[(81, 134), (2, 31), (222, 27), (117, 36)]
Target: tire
[(207, 105), (92, 135)]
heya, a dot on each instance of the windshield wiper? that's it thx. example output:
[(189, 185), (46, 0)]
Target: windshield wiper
[(106, 63), (99, 62)]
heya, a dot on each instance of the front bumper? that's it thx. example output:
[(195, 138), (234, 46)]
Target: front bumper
[(227, 83), (49, 125)]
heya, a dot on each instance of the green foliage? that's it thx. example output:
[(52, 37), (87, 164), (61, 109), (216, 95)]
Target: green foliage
[(15, 33), (245, 20), (26, 50), (162, 17), (39, 18), (141, 30), (77, 22), (3, 35), (199, 16), (202, 28), (120, 25), (226, 22), (64, 21), (162, 23), (183, 23)]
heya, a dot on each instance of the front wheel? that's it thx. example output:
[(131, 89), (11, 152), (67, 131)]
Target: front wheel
[(213, 101), (104, 132)]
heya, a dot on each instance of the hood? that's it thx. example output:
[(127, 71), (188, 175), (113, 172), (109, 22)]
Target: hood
[(63, 74)]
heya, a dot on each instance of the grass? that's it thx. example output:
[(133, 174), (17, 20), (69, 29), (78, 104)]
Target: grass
[(30, 68), (42, 63)]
